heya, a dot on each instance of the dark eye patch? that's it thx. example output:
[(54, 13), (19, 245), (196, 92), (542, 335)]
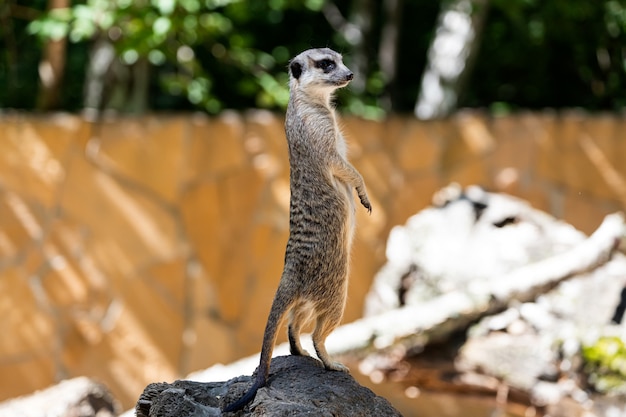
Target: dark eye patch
[(325, 65)]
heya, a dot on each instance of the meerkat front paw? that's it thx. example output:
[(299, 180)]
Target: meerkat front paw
[(366, 203)]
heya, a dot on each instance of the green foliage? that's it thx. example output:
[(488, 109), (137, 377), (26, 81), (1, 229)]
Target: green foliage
[(171, 34), (216, 54), (558, 53), (605, 363)]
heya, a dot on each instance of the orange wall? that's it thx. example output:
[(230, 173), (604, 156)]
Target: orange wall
[(139, 249)]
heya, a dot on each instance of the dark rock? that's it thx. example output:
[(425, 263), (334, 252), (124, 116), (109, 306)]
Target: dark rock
[(296, 386)]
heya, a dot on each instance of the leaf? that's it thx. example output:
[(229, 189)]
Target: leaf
[(165, 7), (161, 26)]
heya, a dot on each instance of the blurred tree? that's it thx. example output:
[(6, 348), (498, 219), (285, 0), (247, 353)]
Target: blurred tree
[(52, 64), (561, 53), (450, 57), (18, 67), (357, 32), (127, 37), (388, 51), (134, 55)]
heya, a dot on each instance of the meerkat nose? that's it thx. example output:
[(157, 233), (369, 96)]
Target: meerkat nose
[(349, 76)]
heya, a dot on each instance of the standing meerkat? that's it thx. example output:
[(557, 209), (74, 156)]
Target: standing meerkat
[(314, 282)]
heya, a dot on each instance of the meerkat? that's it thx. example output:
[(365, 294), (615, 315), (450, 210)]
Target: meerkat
[(314, 282)]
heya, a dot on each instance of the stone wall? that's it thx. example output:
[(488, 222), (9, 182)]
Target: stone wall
[(139, 249)]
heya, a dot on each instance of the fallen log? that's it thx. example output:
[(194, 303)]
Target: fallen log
[(436, 319)]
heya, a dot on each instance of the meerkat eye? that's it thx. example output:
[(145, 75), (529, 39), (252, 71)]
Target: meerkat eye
[(326, 65)]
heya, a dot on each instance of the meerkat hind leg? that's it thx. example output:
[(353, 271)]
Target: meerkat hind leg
[(298, 316), (325, 324)]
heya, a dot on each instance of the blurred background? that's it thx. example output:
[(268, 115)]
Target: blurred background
[(144, 182), (182, 55)]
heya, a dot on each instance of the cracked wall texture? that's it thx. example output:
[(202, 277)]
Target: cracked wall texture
[(139, 249)]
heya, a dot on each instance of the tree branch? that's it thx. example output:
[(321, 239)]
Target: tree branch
[(438, 318)]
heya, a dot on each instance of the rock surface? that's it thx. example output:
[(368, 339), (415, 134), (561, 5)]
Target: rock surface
[(297, 386)]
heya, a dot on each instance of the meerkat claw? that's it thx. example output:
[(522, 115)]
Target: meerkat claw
[(367, 205)]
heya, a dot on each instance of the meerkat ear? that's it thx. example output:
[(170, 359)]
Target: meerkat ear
[(296, 69)]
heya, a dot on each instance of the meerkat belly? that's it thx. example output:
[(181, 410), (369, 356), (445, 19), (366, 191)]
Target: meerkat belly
[(350, 210), (321, 232)]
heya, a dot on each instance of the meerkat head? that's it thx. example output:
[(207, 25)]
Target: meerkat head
[(318, 71)]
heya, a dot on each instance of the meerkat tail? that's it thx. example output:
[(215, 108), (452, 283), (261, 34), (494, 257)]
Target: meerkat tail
[(283, 301), (249, 396)]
